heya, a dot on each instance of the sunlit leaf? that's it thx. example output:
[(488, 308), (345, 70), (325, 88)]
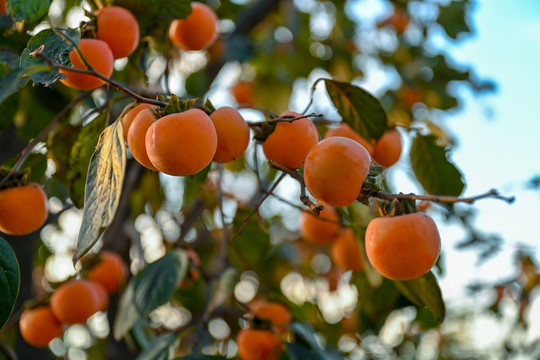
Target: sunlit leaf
[(126, 316), (10, 280), (158, 281), (432, 168), (358, 108), (103, 187), (160, 348), (29, 10), (424, 292)]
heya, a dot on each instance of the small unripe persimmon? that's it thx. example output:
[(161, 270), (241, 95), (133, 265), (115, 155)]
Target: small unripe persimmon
[(23, 209), (182, 144), (290, 142), (346, 251), (243, 93), (388, 148), (136, 138), (335, 170), (39, 326), (99, 56), (198, 31), (119, 29), (345, 130), (322, 228), (403, 247), (232, 134)]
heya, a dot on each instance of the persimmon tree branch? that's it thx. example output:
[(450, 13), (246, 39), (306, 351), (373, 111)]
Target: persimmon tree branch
[(492, 194), (279, 119)]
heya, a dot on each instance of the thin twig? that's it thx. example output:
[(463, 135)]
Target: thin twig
[(256, 208), (493, 194), (7, 351), (288, 119), (303, 209), (28, 149), (220, 204)]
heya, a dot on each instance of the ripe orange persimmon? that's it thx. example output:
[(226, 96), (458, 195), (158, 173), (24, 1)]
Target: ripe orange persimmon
[(3, 7), (110, 272), (102, 295), (128, 118), (23, 209), (136, 137), (322, 228), (99, 55), (198, 31), (346, 251), (403, 247), (232, 134), (75, 301), (290, 142), (182, 144), (119, 29), (335, 170), (277, 313), (254, 344), (243, 93), (388, 148), (345, 130), (39, 326)]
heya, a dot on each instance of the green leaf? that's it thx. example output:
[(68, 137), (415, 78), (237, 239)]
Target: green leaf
[(103, 187), (127, 315), (79, 158), (55, 48), (158, 281), (358, 108), (193, 185), (159, 348), (432, 168), (305, 336), (11, 83), (10, 280), (36, 165), (453, 18), (251, 247), (298, 352), (30, 10), (424, 292), (200, 356)]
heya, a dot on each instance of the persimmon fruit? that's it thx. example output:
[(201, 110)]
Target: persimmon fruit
[(388, 148), (242, 92), (23, 209), (129, 116), (136, 137), (290, 142), (182, 144), (119, 29), (110, 272), (198, 31), (75, 301), (232, 134), (403, 247), (38, 326), (322, 228), (278, 314), (99, 56), (346, 251), (335, 170), (255, 344), (345, 130)]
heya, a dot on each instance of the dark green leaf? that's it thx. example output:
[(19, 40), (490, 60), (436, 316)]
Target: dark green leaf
[(453, 18), (79, 158), (305, 336), (36, 165), (103, 187), (432, 168), (127, 315), (158, 281), (159, 348), (424, 292), (29, 10), (193, 185), (250, 248), (298, 352), (11, 83), (55, 48), (9, 281), (358, 108)]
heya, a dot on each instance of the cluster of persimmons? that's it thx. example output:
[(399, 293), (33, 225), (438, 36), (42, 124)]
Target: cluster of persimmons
[(401, 247)]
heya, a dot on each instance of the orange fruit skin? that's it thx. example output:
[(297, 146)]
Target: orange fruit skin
[(318, 231), (243, 93), (254, 344), (99, 55), (403, 247), (110, 272), (23, 209), (130, 116), (136, 138), (102, 296), (119, 29), (3, 7), (232, 134), (39, 326), (335, 170), (346, 252), (289, 143), (182, 144), (388, 148), (75, 301), (345, 130), (198, 31)]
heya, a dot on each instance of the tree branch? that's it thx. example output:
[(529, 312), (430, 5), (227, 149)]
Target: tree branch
[(493, 194)]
